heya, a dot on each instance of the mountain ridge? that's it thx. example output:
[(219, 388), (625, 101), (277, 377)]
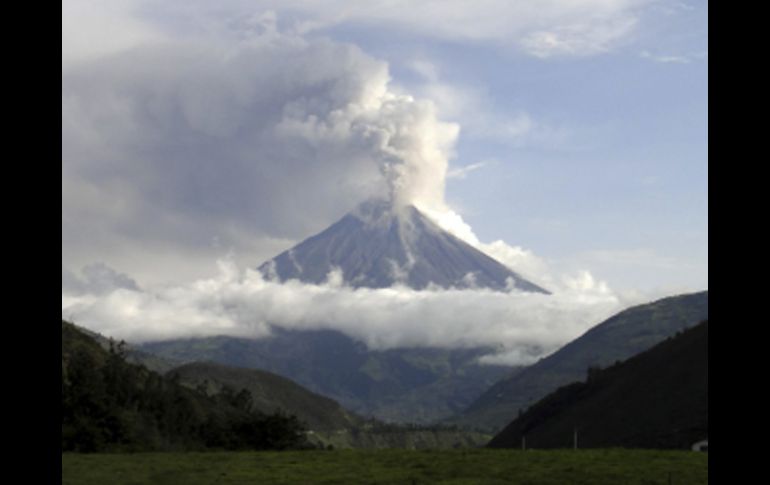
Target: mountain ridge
[(656, 399), (417, 385), (109, 404), (270, 392), (619, 337)]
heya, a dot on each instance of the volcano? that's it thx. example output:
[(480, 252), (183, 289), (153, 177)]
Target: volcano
[(378, 245)]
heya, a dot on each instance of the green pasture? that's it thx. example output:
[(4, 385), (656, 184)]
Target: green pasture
[(470, 466)]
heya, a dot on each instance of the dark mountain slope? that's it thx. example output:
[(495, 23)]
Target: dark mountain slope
[(111, 405), (419, 385), (326, 421), (377, 245), (132, 355), (269, 393), (658, 399), (620, 337)]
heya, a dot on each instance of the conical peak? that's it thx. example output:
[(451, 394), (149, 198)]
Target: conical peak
[(379, 244)]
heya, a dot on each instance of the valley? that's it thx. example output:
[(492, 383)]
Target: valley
[(384, 242), (347, 396)]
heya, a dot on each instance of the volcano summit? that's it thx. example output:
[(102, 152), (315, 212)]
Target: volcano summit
[(378, 245)]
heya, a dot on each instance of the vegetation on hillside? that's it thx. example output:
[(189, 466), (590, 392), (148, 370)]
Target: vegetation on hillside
[(618, 338), (657, 399), (419, 385), (111, 405), (328, 423), (270, 392)]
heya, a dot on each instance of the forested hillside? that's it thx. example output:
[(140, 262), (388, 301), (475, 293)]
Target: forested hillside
[(657, 399), (111, 405), (620, 337)]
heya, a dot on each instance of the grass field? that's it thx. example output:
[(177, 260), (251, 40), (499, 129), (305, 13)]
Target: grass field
[(473, 466)]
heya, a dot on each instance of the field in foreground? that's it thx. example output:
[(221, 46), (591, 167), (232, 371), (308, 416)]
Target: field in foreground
[(473, 466)]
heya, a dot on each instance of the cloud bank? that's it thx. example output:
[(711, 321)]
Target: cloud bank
[(188, 128), (543, 28), (522, 326), (248, 136), (248, 133)]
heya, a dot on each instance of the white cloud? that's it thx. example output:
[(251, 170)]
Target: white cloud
[(581, 36), (544, 28), (241, 303), (462, 172), (673, 58), (97, 279), (426, 69), (665, 59), (244, 137), (517, 356), (646, 268), (180, 141), (481, 116), (523, 261), (92, 29)]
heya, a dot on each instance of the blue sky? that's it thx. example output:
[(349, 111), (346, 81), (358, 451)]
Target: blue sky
[(567, 138)]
